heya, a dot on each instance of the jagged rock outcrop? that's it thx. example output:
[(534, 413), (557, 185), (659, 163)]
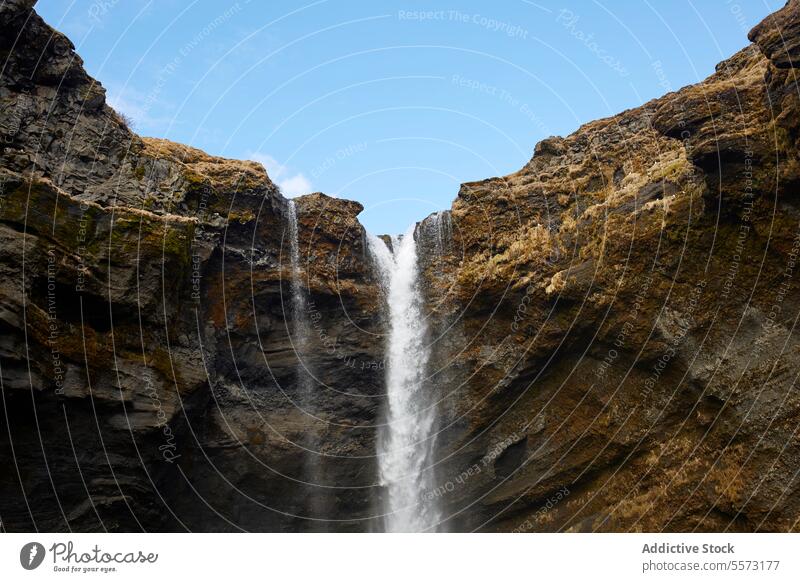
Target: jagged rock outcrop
[(613, 325), (147, 365), (626, 306)]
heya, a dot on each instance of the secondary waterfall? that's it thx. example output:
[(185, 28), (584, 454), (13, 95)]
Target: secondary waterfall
[(300, 331), (405, 442), (441, 225), (316, 500), (298, 299)]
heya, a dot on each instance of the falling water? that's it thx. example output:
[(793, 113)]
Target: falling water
[(405, 443), (441, 224), (298, 297), (301, 334)]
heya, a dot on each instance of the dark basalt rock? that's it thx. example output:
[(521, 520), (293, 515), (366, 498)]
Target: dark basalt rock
[(148, 367), (636, 348)]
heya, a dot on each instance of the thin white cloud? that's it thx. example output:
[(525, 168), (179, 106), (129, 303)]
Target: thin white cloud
[(137, 106), (296, 185), (291, 184), (274, 169)]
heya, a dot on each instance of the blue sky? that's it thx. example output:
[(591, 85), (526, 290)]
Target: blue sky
[(393, 103)]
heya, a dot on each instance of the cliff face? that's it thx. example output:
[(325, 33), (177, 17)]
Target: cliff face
[(149, 374), (626, 306), (613, 324)]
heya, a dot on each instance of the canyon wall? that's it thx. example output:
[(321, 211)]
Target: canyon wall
[(612, 326), (624, 309), (148, 368)]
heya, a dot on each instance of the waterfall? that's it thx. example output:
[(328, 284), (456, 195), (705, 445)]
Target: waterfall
[(315, 497), (298, 297), (405, 441), (441, 224), (300, 328)]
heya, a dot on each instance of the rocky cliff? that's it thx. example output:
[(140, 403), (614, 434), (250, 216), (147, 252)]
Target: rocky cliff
[(148, 367), (613, 326)]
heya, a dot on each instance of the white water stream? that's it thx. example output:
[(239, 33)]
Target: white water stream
[(405, 442), (300, 336)]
